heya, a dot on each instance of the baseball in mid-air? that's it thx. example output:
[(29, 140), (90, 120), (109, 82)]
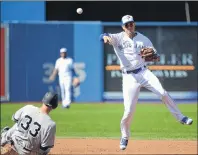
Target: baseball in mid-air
[(79, 10)]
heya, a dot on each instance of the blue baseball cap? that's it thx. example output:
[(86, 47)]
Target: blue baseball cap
[(127, 19)]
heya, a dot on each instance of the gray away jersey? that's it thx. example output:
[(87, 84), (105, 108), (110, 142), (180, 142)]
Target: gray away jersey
[(34, 129)]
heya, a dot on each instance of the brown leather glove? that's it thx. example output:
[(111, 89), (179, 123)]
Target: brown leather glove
[(148, 54), (7, 150), (76, 82)]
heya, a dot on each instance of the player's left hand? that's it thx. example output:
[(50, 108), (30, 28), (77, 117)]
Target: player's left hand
[(76, 82), (148, 54)]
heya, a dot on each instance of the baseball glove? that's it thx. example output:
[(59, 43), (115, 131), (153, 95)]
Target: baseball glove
[(7, 150), (76, 82), (148, 54)]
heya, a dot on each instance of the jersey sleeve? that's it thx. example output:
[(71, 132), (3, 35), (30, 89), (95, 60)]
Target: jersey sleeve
[(48, 139), (17, 115), (57, 64), (114, 37)]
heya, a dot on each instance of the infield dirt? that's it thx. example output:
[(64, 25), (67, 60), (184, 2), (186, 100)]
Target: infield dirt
[(111, 146)]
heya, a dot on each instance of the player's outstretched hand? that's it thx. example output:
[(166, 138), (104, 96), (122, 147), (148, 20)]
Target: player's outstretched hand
[(108, 40)]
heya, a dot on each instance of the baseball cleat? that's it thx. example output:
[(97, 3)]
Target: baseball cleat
[(187, 121), (67, 106), (123, 143)]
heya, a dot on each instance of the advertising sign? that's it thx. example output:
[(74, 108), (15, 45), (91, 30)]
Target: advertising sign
[(176, 70)]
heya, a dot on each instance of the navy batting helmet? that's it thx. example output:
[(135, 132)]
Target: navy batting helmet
[(51, 100)]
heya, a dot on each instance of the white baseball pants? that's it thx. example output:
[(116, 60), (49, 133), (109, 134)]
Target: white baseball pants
[(66, 91), (131, 88)]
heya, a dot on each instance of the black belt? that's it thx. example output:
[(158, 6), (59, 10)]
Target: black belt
[(134, 71)]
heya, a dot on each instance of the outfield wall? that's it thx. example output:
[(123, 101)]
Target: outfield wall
[(22, 11), (31, 49)]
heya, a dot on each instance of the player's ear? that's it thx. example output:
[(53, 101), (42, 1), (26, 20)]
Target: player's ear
[(123, 27)]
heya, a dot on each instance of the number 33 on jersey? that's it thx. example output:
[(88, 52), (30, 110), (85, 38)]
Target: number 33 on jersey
[(35, 126)]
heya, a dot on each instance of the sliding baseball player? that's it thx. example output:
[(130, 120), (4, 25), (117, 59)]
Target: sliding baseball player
[(33, 132)]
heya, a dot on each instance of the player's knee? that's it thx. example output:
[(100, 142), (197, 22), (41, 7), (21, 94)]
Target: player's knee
[(127, 114), (164, 94)]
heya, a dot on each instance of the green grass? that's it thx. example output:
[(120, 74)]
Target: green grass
[(151, 121)]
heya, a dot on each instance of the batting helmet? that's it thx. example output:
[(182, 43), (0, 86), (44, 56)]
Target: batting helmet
[(51, 100)]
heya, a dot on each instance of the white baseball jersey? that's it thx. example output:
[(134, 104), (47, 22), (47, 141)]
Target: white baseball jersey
[(64, 67), (128, 50), (34, 129)]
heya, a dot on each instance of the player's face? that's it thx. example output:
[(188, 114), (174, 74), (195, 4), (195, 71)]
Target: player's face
[(63, 54), (129, 27)]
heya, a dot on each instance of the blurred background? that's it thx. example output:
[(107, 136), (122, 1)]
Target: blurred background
[(33, 32)]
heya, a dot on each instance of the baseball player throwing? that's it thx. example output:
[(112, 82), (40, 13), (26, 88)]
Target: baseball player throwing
[(64, 67), (133, 49), (33, 131)]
